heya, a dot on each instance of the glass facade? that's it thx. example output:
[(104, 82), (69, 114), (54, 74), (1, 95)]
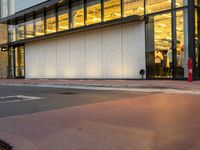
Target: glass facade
[(154, 6), (133, 7), (20, 30), (63, 18), (93, 11), (51, 22), (29, 25), (77, 15), (167, 36), (112, 9), (159, 46), (166, 25), (39, 24)]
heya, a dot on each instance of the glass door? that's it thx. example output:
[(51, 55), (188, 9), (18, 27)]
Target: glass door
[(159, 46), (16, 62)]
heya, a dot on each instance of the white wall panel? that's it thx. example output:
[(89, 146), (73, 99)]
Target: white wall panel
[(30, 64), (133, 49), (50, 58), (39, 59), (63, 57), (112, 55), (77, 55), (94, 54), (111, 52)]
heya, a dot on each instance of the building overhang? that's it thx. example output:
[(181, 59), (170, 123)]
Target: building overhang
[(80, 29)]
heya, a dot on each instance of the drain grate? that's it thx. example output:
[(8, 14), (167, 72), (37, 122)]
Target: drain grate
[(69, 93), (4, 146)]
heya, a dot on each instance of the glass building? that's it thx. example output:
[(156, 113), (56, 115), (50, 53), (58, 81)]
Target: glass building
[(101, 39)]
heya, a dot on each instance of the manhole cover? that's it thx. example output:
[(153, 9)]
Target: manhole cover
[(4, 146), (69, 93)]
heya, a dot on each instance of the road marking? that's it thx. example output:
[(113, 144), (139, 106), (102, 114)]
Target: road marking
[(18, 98)]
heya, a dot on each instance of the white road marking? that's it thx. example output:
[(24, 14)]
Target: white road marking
[(19, 98)]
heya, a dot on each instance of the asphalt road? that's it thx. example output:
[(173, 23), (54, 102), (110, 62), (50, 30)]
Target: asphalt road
[(17, 100)]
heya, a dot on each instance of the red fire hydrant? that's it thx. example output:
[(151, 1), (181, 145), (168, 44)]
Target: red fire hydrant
[(190, 72)]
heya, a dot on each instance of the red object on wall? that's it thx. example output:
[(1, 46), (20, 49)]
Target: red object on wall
[(190, 71)]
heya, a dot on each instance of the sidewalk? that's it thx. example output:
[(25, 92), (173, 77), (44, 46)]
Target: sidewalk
[(168, 86)]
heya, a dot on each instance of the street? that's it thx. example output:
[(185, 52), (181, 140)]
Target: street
[(52, 98), (67, 119)]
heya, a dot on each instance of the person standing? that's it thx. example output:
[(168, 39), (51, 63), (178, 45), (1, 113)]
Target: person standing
[(158, 61), (169, 57)]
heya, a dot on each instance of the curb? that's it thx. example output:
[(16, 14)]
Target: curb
[(110, 88)]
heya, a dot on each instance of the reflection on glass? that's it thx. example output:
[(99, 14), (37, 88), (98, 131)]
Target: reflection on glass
[(158, 5), (77, 14), (19, 61), (63, 18), (159, 46), (20, 30), (50, 22), (29, 28), (93, 11), (180, 3), (3, 33), (197, 46), (12, 32), (112, 9), (39, 25), (133, 7), (182, 43)]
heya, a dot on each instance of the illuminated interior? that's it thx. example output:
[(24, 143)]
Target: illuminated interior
[(63, 18), (77, 15), (39, 25), (29, 29), (112, 9), (51, 22), (132, 7), (19, 61), (20, 31), (158, 5), (93, 12)]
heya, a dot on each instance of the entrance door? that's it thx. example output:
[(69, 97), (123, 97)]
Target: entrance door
[(16, 61), (159, 46), (165, 60)]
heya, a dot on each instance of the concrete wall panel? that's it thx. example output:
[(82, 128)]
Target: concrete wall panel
[(93, 40), (111, 52), (50, 58), (77, 55), (63, 57)]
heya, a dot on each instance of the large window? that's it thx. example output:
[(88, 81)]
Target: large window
[(181, 3), (29, 28), (182, 43), (112, 9), (197, 44), (3, 33), (157, 5), (63, 18), (77, 14), (50, 22), (12, 31), (93, 11), (159, 46), (133, 7), (20, 30), (39, 25)]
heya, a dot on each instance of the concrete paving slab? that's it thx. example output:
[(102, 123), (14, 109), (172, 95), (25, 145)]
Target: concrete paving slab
[(152, 122)]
